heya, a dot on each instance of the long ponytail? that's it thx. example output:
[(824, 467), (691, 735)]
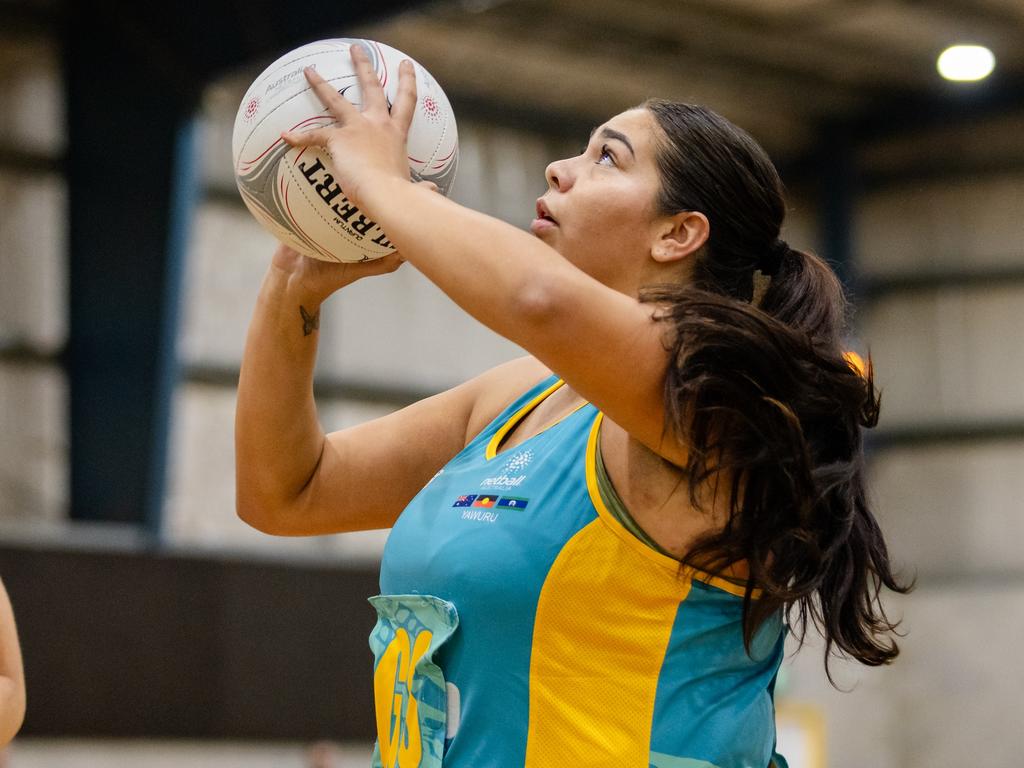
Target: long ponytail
[(769, 407)]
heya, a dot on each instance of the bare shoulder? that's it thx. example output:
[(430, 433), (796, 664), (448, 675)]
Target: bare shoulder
[(496, 388)]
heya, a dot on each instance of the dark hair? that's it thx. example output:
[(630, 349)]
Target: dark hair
[(765, 399)]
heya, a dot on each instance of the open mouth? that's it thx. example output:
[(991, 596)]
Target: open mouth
[(543, 214)]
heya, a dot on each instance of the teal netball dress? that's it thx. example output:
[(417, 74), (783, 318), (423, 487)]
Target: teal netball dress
[(522, 623)]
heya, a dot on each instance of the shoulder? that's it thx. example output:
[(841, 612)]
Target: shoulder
[(495, 389)]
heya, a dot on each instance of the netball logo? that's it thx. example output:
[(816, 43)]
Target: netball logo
[(252, 108), (519, 462), (431, 109), (511, 475)]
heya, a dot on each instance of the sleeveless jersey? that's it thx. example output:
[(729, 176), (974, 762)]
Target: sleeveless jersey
[(520, 624)]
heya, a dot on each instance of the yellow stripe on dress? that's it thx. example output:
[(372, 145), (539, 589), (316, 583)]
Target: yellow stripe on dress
[(603, 622), (732, 586), (515, 418)]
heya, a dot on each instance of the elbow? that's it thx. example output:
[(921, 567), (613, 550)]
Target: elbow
[(538, 303), (264, 517)]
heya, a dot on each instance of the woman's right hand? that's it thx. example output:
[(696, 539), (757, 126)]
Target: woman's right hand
[(319, 279)]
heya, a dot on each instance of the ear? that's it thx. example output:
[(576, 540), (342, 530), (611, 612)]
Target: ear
[(679, 235)]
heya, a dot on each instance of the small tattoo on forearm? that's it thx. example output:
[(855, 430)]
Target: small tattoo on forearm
[(310, 322)]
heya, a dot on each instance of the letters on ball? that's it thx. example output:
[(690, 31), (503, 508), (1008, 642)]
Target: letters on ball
[(291, 191)]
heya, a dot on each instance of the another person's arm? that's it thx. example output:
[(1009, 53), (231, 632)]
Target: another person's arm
[(12, 676)]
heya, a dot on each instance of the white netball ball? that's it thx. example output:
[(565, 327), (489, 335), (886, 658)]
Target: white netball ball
[(291, 191)]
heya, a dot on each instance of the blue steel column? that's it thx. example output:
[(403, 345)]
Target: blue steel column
[(185, 195), (131, 190), (839, 191)]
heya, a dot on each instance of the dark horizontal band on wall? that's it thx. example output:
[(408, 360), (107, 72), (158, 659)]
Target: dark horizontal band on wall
[(964, 580), (876, 288), (23, 353), (908, 175), (331, 388), (938, 434), (161, 645), (366, 391), (226, 376), (30, 161)]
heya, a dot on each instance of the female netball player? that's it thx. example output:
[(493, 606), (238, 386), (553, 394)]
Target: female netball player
[(594, 548)]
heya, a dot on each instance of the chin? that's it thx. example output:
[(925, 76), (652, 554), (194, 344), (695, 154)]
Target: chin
[(547, 236)]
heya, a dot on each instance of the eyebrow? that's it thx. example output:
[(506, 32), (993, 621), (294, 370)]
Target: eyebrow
[(611, 133)]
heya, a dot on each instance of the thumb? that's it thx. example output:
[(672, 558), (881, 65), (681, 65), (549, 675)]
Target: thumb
[(383, 265)]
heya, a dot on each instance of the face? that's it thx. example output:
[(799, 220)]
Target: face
[(600, 208)]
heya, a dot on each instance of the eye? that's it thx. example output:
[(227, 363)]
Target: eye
[(606, 157)]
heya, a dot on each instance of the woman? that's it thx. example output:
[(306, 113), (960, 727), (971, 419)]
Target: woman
[(600, 541)]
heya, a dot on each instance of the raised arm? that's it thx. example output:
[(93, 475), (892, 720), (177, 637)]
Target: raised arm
[(294, 480), (12, 676), (604, 343)]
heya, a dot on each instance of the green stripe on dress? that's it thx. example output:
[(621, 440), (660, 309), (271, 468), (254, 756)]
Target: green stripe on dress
[(617, 508)]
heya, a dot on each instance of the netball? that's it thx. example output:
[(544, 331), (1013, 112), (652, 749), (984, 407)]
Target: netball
[(291, 191)]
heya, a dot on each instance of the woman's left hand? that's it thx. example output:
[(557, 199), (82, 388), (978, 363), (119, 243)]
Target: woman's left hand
[(366, 144)]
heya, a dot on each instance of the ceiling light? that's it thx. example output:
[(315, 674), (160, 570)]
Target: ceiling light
[(966, 63)]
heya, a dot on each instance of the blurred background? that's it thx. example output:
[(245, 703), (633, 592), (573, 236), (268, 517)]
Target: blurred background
[(159, 630)]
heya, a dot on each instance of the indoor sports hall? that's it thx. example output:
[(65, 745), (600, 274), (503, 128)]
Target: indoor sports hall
[(157, 629)]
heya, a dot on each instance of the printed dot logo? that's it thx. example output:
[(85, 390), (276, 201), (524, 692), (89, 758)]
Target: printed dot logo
[(519, 462), (431, 108), (252, 108)]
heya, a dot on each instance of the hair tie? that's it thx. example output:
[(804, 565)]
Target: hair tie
[(771, 261)]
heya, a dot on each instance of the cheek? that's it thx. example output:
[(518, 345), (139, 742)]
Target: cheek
[(616, 218)]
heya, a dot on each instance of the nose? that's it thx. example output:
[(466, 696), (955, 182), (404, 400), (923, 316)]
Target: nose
[(559, 175)]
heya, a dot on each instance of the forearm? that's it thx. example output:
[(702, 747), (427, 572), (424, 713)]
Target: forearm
[(12, 679), (585, 331), (506, 278), (278, 438)]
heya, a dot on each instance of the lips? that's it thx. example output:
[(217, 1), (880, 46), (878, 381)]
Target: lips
[(544, 213)]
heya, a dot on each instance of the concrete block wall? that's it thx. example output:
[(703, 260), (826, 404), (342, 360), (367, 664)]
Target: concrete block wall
[(951, 512), (951, 354), (33, 285)]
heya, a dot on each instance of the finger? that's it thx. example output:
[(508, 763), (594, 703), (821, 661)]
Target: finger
[(335, 103), (369, 84), (404, 107), (429, 185), (317, 137)]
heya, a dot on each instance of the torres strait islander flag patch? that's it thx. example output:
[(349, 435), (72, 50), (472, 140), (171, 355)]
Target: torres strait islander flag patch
[(512, 502)]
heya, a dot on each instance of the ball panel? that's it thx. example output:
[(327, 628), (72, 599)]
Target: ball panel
[(277, 84), (326, 216)]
